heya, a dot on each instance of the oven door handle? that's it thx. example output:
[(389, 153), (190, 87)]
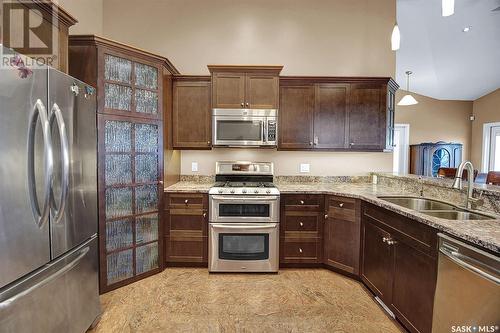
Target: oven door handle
[(253, 226), (242, 199)]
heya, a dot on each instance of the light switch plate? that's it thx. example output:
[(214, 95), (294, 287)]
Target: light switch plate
[(194, 166), (304, 167)]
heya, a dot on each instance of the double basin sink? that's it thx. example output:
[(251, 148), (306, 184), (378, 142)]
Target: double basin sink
[(436, 208)]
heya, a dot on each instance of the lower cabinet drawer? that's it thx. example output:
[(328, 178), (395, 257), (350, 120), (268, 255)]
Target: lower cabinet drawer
[(301, 250), (301, 222), (190, 249)]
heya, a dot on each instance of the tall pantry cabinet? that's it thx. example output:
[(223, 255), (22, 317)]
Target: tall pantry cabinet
[(130, 109)]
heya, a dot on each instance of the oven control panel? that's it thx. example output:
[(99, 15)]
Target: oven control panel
[(271, 130), (245, 190)]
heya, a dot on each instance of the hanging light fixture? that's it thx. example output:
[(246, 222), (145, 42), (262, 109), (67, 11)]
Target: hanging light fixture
[(395, 37), (447, 7), (408, 99)]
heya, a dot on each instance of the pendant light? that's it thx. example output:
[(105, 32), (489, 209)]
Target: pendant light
[(447, 7), (395, 37), (408, 99)]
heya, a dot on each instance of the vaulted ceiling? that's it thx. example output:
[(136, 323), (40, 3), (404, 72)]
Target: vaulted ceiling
[(448, 63)]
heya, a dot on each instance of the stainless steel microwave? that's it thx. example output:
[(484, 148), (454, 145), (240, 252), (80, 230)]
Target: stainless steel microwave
[(244, 127)]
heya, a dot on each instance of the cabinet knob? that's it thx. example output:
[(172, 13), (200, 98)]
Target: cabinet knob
[(351, 144), (310, 143), (242, 104), (341, 204), (204, 214), (301, 224), (186, 201), (300, 250), (248, 104), (391, 242), (384, 239), (301, 202), (208, 142), (326, 216)]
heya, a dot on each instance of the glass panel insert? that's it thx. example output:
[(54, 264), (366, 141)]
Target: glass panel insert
[(119, 234), (146, 138), (146, 101), (146, 76), (250, 210), (146, 258), (146, 228), (118, 136), (243, 246), (120, 266), (146, 198), (118, 169), (146, 168), (117, 69), (118, 201), (117, 97)]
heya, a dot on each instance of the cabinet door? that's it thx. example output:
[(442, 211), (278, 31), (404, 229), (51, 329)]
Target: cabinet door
[(228, 90), (191, 115), (377, 263), (295, 130), (413, 287), (367, 117), (261, 91), (330, 115), (342, 234)]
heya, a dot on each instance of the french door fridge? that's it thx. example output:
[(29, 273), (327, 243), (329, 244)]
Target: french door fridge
[(48, 199)]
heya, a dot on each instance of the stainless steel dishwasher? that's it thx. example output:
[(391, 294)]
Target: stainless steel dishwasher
[(467, 295)]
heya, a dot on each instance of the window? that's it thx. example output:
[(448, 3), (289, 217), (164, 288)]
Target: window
[(491, 147)]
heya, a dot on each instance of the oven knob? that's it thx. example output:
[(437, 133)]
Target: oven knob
[(256, 191), (220, 191), (268, 191), (232, 191), (244, 191)]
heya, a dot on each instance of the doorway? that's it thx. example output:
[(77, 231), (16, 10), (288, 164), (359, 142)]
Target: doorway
[(401, 148), (491, 147)]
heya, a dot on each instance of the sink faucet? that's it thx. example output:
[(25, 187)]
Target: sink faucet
[(458, 183)]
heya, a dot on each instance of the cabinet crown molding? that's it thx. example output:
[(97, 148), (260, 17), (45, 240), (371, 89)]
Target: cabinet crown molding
[(75, 40), (271, 69)]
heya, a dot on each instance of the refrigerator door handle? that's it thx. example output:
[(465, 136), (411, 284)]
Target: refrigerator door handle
[(39, 112), (6, 303), (55, 113)]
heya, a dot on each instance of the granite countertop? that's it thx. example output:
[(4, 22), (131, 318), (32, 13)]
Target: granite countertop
[(485, 233)]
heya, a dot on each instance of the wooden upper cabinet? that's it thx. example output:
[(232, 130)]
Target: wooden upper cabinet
[(330, 115), (295, 130), (262, 91), (249, 87), (191, 113), (228, 90), (347, 114), (367, 117)]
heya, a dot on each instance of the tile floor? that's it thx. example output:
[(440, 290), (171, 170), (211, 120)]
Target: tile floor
[(192, 300)]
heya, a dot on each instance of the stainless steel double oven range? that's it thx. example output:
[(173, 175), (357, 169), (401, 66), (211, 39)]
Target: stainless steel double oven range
[(244, 219)]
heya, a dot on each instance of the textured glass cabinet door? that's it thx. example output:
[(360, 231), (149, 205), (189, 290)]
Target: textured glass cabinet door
[(130, 152)]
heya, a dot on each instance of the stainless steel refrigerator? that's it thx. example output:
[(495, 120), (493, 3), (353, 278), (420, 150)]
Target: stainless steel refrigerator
[(48, 199)]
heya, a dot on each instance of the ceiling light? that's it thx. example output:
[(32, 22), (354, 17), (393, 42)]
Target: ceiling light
[(408, 99), (466, 29), (395, 37), (447, 7)]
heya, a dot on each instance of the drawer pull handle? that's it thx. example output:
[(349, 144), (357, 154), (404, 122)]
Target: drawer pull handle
[(301, 202), (341, 204), (186, 201), (388, 240), (204, 214), (300, 250), (301, 224)]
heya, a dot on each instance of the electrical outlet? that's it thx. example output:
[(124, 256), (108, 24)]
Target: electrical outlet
[(304, 167), (194, 166)]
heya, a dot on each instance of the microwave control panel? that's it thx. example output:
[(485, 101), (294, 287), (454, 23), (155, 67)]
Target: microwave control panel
[(271, 130)]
